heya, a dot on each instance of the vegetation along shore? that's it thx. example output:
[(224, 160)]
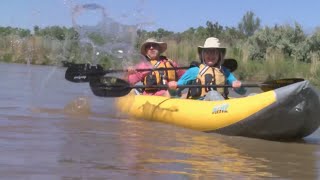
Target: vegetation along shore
[(280, 51)]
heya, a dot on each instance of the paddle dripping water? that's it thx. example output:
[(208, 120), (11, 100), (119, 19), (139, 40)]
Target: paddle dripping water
[(106, 41)]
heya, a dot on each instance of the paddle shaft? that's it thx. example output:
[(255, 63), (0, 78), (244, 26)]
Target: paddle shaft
[(79, 73), (138, 70), (186, 86), (116, 87)]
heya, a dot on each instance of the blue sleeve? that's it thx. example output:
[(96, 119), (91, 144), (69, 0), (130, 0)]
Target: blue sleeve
[(189, 75), (230, 78), (186, 78)]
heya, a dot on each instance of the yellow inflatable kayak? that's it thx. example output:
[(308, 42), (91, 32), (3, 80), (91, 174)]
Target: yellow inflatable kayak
[(289, 112)]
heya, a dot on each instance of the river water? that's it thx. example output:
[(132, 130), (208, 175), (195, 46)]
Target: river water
[(45, 135)]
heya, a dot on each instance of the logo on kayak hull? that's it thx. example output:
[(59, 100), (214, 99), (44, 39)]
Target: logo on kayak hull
[(221, 108)]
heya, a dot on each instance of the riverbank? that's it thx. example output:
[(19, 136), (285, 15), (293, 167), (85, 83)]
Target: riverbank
[(47, 51)]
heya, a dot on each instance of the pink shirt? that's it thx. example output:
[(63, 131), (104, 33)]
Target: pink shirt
[(139, 76)]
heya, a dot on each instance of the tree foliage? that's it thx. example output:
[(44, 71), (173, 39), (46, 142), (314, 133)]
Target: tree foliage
[(5, 31), (249, 24), (56, 32), (247, 36), (290, 40)]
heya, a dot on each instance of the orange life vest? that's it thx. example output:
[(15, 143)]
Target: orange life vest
[(209, 76), (160, 77)]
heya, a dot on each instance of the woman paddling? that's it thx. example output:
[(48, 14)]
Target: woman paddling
[(209, 72), (151, 50)]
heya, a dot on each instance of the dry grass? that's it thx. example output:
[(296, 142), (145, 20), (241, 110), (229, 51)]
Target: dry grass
[(42, 50)]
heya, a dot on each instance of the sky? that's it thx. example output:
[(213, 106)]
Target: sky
[(172, 15)]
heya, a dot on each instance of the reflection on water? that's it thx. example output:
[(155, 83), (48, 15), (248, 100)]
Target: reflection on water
[(172, 151), (145, 149)]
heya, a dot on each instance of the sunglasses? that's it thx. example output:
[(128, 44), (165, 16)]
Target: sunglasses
[(154, 45)]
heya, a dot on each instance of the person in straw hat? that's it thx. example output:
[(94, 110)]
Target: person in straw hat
[(152, 49), (210, 71)]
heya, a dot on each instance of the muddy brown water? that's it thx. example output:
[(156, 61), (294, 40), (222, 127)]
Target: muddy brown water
[(54, 129)]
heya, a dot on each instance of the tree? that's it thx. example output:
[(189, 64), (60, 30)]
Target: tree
[(36, 30), (214, 29), (231, 35), (201, 33), (188, 34), (161, 33), (249, 24), (290, 40)]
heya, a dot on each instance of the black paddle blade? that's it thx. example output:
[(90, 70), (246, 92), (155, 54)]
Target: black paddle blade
[(275, 84), (79, 73), (109, 86), (230, 64), (67, 64)]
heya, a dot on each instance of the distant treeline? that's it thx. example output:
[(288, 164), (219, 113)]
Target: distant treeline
[(262, 52)]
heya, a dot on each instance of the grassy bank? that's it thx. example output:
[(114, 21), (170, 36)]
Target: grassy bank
[(275, 66), (48, 51)]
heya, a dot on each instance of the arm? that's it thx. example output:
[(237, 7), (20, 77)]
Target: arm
[(189, 75), (139, 76), (186, 78), (230, 79)]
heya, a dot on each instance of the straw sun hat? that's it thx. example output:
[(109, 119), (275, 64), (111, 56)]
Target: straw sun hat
[(211, 43), (162, 46)]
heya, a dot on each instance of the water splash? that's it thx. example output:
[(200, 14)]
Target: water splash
[(108, 39), (79, 106)]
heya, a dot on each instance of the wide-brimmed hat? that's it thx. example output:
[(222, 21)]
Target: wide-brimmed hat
[(211, 43), (162, 46)]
